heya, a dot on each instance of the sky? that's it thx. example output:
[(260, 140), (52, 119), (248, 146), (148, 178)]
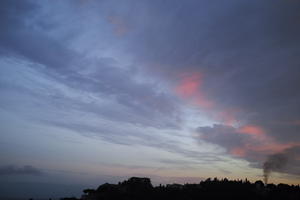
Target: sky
[(178, 91)]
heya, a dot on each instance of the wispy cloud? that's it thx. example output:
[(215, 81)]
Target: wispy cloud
[(235, 62)]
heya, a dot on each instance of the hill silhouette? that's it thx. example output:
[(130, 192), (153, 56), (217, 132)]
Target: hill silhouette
[(137, 188)]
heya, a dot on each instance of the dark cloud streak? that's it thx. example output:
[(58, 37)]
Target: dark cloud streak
[(15, 170)]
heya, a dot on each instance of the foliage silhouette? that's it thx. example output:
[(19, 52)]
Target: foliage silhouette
[(141, 188)]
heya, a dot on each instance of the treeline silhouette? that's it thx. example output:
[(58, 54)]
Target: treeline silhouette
[(141, 188)]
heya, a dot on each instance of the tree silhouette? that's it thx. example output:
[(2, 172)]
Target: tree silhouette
[(141, 188)]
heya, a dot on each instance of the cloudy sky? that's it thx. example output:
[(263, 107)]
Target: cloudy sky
[(178, 91)]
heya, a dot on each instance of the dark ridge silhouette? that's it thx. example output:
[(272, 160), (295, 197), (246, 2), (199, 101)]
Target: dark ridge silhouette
[(141, 188)]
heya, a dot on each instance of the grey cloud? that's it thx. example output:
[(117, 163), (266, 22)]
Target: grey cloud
[(293, 162), (21, 38), (247, 50), (13, 11), (15, 170), (229, 138), (225, 171), (128, 135), (222, 135), (177, 162), (256, 39), (68, 67), (199, 30), (185, 164)]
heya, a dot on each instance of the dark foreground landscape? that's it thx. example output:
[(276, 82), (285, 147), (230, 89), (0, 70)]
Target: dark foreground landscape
[(141, 188)]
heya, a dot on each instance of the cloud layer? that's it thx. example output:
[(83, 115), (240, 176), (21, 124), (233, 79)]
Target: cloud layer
[(129, 73)]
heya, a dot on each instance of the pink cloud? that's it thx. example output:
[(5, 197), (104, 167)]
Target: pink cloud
[(254, 147), (272, 147), (238, 151), (190, 88), (248, 141), (252, 130), (189, 85), (261, 142), (296, 122)]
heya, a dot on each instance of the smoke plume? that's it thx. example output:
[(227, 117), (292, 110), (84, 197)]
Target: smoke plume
[(274, 162)]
